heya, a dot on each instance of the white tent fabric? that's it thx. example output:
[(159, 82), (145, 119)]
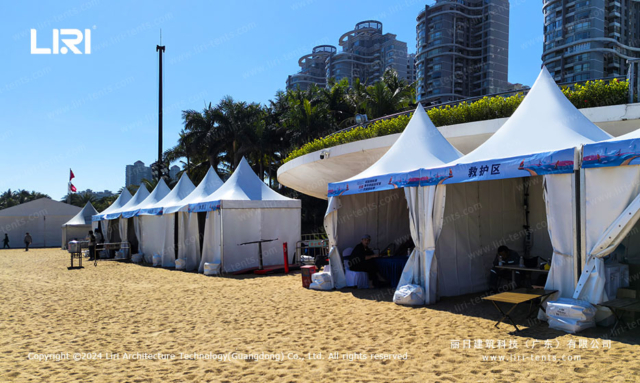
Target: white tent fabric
[(127, 211), (188, 231), (78, 226), (122, 200), (149, 233), (250, 211), (420, 145), (611, 201), (114, 208), (159, 229), (426, 212), (42, 219), (211, 246), (427, 148), (534, 141)]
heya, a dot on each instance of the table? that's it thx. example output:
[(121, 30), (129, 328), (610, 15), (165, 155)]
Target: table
[(516, 297), (621, 304), (518, 268), (391, 268)]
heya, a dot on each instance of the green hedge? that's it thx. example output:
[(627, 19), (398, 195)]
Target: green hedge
[(591, 94)]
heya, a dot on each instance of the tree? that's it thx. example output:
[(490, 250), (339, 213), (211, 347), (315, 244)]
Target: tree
[(17, 197)]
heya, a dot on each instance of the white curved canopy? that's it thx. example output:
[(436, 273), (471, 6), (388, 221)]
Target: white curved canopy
[(209, 184)]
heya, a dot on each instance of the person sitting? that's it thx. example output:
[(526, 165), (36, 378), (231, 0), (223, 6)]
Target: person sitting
[(362, 260), (504, 257)]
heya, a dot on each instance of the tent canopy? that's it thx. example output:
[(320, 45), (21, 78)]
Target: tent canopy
[(539, 138), (183, 188), (122, 200), (161, 190), (141, 194), (244, 190), (421, 145), (209, 184), (83, 218)]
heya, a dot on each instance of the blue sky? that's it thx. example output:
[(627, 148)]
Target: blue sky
[(97, 113)]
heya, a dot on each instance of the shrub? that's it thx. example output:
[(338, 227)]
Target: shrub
[(591, 94)]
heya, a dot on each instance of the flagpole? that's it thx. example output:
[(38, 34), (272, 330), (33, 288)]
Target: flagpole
[(69, 188)]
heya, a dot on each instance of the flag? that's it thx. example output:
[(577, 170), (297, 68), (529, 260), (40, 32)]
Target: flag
[(72, 188), (71, 175)]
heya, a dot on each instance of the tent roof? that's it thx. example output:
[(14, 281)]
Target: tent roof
[(421, 145), (122, 200), (427, 147), (209, 184), (244, 185), (545, 121), (42, 206), (83, 218), (183, 188), (141, 194), (161, 190)]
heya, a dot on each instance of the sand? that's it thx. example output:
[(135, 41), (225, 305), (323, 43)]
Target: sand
[(117, 317)]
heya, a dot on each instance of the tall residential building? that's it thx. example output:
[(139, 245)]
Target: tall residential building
[(366, 53), (313, 68), (462, 49), (173, 172), (590, 39), (136, 173)]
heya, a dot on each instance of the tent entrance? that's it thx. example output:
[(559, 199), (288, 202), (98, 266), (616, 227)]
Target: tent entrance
[(481, 216), (131, 235)]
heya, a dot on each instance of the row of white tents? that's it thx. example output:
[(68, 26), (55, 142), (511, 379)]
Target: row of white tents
[(460, 208), (172, 223)]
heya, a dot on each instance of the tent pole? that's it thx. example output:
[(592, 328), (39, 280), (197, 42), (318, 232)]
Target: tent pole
[(583, 221)]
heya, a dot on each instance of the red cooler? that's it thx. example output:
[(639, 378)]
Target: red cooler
[(307, 272)]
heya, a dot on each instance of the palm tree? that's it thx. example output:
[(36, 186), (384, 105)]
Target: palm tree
[(391, 95)]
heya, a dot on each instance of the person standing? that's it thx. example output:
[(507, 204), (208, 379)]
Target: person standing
[(92, 245), (27, 241), (5, 241)]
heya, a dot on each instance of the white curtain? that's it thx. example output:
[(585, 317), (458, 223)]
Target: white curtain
[(169, 248), (612, 208), (122, 228), (136, 227), (426, 216), (331, 227), (189, 240), (211, 245), (559, 192)]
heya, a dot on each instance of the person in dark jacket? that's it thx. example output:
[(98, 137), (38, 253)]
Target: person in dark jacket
[(92, 245), (504, 257), (27, 241), (362, 260), (5, 241)]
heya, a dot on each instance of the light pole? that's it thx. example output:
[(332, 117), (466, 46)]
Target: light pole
[(160, 50)]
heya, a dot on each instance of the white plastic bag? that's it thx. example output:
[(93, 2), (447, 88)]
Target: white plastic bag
[(211, 268), (181, 264), (571, 309), (571, 326), (321, 281), (157, 260), (410, 295), (137, 258)]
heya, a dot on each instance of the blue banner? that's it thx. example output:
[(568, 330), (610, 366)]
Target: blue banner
[(154, 211), (614, 153), (113, 216), (204, 206), (95, 218), (129, 214), (558, 162)]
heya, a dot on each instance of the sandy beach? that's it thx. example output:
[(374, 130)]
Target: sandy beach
[(124, 322)]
